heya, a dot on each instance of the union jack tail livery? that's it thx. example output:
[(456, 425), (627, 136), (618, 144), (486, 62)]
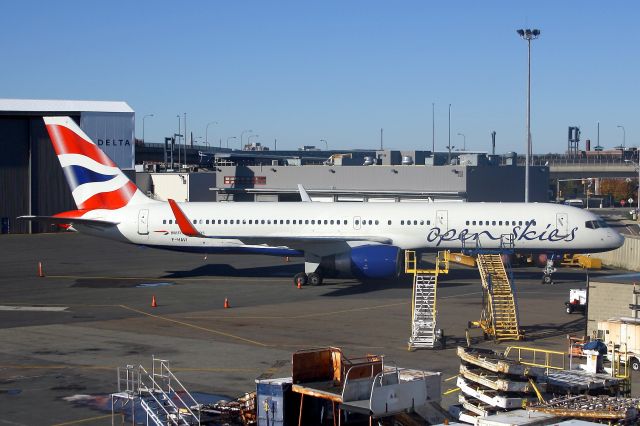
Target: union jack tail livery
[(95, 181)]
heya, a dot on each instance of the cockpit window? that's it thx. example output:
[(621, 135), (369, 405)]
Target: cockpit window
[(595, 224)]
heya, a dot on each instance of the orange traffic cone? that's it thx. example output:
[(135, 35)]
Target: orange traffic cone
[(154, 304), (299, 283), (40, 273), (226, 303)]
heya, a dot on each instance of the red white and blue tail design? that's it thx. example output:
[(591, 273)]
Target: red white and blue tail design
[(95, 181)]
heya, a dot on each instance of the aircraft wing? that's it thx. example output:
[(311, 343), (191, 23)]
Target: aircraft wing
[(297, 242), (61, 220)]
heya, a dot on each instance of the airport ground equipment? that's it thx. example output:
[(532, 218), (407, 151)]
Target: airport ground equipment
[(577, 301), (499, 316), (160, 394), (424, 332), (368, 385)]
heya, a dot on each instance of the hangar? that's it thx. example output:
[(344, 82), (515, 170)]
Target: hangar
[(31, 180)]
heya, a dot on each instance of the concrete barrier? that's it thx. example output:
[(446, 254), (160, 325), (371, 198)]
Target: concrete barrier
[(625, 257)]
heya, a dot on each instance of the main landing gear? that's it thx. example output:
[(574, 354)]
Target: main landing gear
[(314, 278)]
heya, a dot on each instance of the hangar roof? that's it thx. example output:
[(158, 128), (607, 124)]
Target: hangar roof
[(60, 105)]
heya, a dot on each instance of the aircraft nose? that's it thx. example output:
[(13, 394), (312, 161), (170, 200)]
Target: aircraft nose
[(617, 239)]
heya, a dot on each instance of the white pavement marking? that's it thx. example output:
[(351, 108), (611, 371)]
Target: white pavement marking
[(34, 308)]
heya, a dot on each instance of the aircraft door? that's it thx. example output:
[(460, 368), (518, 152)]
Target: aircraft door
[(442, 220), (143, 222), (562, 223), (356, 222)]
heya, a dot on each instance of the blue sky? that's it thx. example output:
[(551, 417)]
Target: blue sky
[(301, 71)]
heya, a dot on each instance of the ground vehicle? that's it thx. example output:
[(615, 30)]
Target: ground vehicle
[(624, 332), (574, 203), (577, 301)]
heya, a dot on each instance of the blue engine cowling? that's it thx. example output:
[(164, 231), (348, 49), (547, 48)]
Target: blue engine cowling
[(370, 261)]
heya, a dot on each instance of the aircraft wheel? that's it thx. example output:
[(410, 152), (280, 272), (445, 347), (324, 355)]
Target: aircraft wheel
[(546, 279), (569, 309), (300, 278), (315, 279)]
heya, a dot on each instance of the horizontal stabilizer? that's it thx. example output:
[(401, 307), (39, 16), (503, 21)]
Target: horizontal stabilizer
[(58, 220)]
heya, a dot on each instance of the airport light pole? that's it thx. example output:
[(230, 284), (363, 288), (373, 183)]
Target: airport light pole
[(449, 146), (464, 141), (433, 127), (206, 131), (624, 136), (241, 135), (326, 145), (178, 135), (228, 139), (638, 196), (143, 118), (528, 35)]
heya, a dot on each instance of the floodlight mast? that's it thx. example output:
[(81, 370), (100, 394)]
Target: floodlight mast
[(528, 35)]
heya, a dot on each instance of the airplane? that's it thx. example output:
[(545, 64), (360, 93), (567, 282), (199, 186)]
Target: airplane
[(363, 240)]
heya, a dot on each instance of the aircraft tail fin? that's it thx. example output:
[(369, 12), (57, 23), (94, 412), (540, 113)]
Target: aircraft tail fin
[(95, 181)]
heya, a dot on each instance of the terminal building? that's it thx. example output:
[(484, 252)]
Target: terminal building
[(32, 181)]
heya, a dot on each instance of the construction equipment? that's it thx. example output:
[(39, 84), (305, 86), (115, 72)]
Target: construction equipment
[(424, 332), (499, 317)]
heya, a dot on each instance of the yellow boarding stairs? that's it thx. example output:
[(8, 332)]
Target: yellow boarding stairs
[(424, 333), (499, 317)]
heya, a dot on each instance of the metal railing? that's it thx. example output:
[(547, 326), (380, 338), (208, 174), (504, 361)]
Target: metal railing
[(537, 357)]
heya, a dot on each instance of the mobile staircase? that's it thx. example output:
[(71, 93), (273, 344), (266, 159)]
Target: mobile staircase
[(424, 332), (499, 317), (164, 400)]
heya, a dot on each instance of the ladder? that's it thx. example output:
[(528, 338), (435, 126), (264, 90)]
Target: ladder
[(164, 400), (499, 317), (424, 333)]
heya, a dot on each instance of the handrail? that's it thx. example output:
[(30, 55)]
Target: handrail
[(183, 389), (152, 393), (371, 364), (548, 357)]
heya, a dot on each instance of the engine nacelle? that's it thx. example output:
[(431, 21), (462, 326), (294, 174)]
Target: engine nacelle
[(370, 261)]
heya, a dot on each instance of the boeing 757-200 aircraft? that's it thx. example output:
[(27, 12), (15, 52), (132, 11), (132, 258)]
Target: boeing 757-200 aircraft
[(351, 239)]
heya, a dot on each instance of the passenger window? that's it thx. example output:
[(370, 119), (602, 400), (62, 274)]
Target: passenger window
[(480, 223), (533, 222), (287, 221), (357, 222), (331, 222), (164, 221), (250, 221), (306, 221), (493, 223), (262, 221), (402, 222), (370, 222), (377, 222), (500, 223), (520, 223), (207, 221), (326, 222), (388, 222), (170, 221), (313, 222), (467, 223), (225, 221), (428, 222)]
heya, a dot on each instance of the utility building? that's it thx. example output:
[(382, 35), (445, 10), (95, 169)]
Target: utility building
[(31, 179)]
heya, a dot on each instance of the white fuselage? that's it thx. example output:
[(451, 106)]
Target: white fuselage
[(534, 227)]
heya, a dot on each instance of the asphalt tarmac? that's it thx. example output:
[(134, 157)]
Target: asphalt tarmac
[(63, 336)]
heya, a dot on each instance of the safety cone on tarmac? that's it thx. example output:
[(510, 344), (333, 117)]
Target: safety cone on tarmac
[(40, 272), (299, 283), (154, 304), (226, 303)]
